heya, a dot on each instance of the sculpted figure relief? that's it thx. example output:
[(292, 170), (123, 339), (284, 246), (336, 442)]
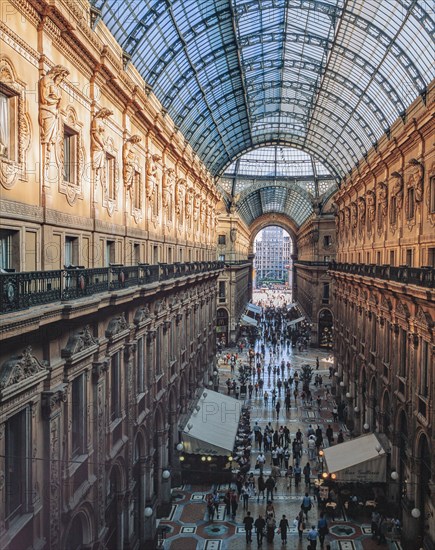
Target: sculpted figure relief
[(188, 202), (383, 198), (203, 213), (346, 217), (50, 95), (354, 215), (362, 210), (341, 220), (130, 160), (99, 141), (179, 196), (168, 182), (419, 179), (196, 207), (371, 205), (151, 172)]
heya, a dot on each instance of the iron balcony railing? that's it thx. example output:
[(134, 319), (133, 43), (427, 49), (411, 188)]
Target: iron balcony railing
[(420, 276), (23, 290)]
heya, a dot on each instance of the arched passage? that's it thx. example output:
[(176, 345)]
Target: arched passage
[(280, 220)]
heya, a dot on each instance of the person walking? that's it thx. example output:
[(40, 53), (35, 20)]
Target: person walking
[(248, 522), (312, 537), (277, 408), (306, 505), (210, 506), (283, 528), (261, 459), (270, 484), (322, 528), (259, 525), (300, 523), (234, 504), (261, 486), (270, 528)]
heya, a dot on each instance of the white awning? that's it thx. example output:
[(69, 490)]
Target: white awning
[(253, 308), (360, 460), (296, 321), (212, 430), (246, 320)]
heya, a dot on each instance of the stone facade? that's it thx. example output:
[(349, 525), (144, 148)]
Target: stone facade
[(384, 306)]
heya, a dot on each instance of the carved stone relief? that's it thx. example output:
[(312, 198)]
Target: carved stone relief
[(50, 96), (79, 341), (117, 325), (179, 197), (20, 368), (168, 184), (132, 175)]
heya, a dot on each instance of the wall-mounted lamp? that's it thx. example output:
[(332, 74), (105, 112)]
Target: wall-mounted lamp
[(166, 474), (394, 476), (148, 512), (180, 446), (366, 426)]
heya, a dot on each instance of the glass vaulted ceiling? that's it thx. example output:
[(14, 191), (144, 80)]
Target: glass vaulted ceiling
[(329, 76), (277, 179)]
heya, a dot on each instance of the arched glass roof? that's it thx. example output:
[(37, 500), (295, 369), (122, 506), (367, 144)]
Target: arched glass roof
[(277, 179), (326, 76)]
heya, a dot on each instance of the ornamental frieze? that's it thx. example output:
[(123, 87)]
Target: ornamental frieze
[(17, 369)]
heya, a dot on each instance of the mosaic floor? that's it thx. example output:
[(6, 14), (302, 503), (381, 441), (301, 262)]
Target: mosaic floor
[(188, 526)]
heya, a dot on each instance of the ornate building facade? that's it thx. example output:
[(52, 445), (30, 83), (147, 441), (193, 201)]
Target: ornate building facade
[(108, 286), (384, 306)]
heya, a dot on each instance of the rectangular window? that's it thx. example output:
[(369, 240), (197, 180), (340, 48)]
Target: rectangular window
[(110, 252), (222, 296), (326, 258), (392, 257), (71, 251), (115, 387), (69, 156), (180, 255), (110, 175), (387, 342), (79, 415), (325, 295), (393, 210), (432, 195), (367, 258), (410, 204), (431, 257), (409, 254), (158, 351), (425, 365), (169, 255), (378, 258), (402, 353), (221, 257), (9, 249), (327, 241), (222, 239), (17, 464), (8, 126), (155, 254), (140, 366), (136, 253)]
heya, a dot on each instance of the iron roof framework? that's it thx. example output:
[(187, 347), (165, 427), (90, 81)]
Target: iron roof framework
[(325, 76)]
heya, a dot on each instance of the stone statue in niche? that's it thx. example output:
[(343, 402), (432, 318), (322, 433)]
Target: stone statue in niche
[(130, 160), (188, 203), (208, 215), (202, 212), (151, 173), (99, 141), (419, 179), (397, 191), (371, 205), (168, 182), (346, 217), (354, 215), (383, 198), (362, 210), (179, 192), (196, 207), (341, 220), (50, 95)]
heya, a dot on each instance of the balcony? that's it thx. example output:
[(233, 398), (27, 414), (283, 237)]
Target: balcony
[(23, 290), (420, 276)]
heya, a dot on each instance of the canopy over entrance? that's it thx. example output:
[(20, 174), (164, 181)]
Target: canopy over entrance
[(360, 460), (212, 427)]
